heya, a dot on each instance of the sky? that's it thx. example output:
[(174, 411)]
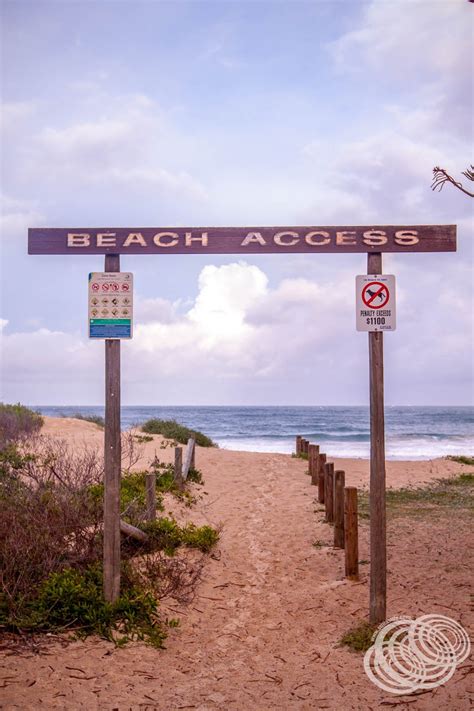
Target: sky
[(235, 113)]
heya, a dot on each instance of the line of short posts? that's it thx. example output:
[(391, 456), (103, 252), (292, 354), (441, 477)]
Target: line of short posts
[(340, 503)]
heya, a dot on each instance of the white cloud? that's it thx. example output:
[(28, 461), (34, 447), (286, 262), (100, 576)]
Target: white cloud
[(425, 48), (15, 218), (240, 330), (125, 143), (13, 113), (408, 35)]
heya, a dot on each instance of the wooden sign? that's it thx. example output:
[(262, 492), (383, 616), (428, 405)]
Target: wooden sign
[(241, 240)]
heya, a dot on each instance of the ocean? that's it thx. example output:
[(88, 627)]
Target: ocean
[(411, 432)]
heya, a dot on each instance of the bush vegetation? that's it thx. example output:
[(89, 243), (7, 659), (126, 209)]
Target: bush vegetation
[(462, 459), (95, 419), (51, 512), (179, 433), (440, 495), (17, 422), (359, 639)]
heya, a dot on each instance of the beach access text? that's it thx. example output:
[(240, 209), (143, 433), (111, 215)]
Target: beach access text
[(375, 302), (242, 240)]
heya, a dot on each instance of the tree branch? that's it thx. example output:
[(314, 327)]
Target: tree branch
[(441, 176)]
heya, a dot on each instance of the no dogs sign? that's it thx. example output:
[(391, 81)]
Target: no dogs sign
[(375, 302)]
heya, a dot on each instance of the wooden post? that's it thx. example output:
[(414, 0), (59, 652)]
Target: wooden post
[(178, 465), (188, 455), (298, 445), (306, 446), (339, 482), (150, 485), (351, 537), (378, 534), (193, 458), (310, 458), (329, 492), (313, 455), (133, 532), (112, 458), (321, 477)]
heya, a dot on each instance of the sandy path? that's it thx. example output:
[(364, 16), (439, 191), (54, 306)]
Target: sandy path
[(263, 629)]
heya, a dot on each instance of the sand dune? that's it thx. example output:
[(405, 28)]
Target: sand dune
[(263, 630)]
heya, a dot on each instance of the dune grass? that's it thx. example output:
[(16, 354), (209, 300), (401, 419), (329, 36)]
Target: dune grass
[(177, 432), (442, 495)]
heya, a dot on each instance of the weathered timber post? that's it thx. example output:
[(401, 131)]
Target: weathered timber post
[(178, 465), (193, 458), (339, 483), (329, 492), (188, 455), (298, 445), (321, 477), (133, 532), (378, 533), (313, 463), (150, 486), (112, 459), (351, 535)]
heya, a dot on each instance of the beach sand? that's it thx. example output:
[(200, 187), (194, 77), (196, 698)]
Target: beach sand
[(263, 630)]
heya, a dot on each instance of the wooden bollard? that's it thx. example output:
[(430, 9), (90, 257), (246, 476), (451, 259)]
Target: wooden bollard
[(339, 483), (150, 488), (298, 445), (313, 455), (351, 536), (193, 458), (178, 465), (321, 477), (306, 446), (329, 492)]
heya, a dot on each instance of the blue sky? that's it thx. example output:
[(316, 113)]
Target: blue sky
[(177, 113)]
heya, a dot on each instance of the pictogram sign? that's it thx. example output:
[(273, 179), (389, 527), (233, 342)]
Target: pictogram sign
[(110, 315), (375, 302), (375, 295)]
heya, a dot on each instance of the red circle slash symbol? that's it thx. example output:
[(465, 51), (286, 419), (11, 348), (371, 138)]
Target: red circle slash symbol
[(375, 295), (114, 287), (95, 287), (125, 287), (105, 287)]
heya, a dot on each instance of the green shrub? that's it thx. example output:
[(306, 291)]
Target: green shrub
[(17, 422), (173, 430), (95, 419), (195, 475), (132, 497), (73, 599), (359, 639), (201, 537), (166, 534), (461, 459), (143, 439)]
